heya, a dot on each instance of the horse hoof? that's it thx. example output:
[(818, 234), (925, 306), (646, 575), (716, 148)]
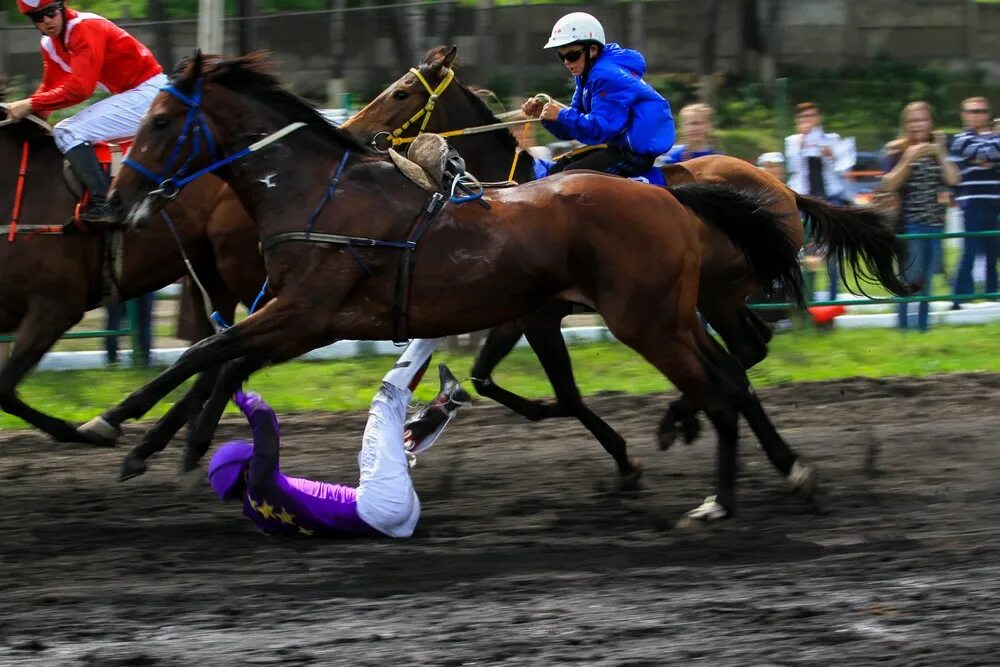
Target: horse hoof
[(192, 457), (629, 481), (710, 511), (804, 479), (99, 432), (666, 437), (132, 467), (690, 428)]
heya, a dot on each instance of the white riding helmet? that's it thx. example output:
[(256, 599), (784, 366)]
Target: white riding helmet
[(576, 27)]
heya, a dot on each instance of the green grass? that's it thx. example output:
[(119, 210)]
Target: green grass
[(348, 385)]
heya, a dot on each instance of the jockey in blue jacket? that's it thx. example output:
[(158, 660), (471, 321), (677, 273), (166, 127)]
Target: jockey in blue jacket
[(613, 109)]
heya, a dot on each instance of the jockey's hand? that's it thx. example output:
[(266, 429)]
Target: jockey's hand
[(19, 109), (532, 107), (551, 111), (248, 402)]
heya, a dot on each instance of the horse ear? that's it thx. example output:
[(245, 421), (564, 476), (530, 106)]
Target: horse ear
[(197, 60), (449, 57), (188, 72)]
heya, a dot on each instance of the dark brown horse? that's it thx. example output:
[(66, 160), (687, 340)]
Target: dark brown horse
[(859, 236), (48, 281), (632, 252)]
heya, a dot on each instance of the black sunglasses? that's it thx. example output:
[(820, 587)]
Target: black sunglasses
[(47, 13), (976, 110), (570, 56)]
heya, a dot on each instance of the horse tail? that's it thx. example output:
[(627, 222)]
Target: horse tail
[(743, 215), (862, 238)]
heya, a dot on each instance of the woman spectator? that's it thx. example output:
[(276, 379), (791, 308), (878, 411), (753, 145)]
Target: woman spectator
[(919, 170), (697, 130)]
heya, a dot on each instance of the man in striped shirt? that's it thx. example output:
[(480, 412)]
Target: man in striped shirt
[(976, 151)]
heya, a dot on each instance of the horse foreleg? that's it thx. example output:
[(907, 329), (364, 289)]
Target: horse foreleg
[(232, 377), (159, 436), (38, 332), (546, 340), (276, 333)]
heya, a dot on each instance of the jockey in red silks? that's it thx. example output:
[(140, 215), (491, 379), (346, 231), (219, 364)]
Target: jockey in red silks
[(81, 52), (383, 503)]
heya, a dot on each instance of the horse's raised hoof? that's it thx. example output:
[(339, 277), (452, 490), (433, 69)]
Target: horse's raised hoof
[(710, 511), (99, 432), (192, 456), (132, 467), (629, 481), (666, 436), (804, 479), (690, 428)]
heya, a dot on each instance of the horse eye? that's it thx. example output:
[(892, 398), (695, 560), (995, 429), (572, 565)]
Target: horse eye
[(400, 95), (160, 122)]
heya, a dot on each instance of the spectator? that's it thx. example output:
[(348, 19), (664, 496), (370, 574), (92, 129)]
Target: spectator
[(773, 163), (116, 313), (919, 170), (697, 130), (817, 161), (976, 152)]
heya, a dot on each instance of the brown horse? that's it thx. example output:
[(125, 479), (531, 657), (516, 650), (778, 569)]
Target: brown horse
[(334, 220), (861, 237), (48, 281)]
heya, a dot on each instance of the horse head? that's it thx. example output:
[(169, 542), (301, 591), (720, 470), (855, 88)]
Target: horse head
[(414, 101), (212, 117)]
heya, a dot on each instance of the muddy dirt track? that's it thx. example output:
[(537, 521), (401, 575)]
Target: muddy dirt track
[(527, 554)]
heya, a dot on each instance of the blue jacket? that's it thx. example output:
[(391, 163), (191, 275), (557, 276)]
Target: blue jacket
[(615, 106)]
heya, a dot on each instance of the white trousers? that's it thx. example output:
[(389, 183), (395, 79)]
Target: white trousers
[(387, 500), (115, 117)]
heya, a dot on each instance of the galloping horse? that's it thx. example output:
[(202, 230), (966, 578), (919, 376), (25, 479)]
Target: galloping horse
[(431, 98), (48, 281), (334, 220)]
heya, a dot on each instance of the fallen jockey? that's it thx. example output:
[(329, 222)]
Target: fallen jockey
[(383, 503)]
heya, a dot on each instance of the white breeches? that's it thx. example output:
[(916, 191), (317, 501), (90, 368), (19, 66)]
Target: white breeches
[(387, 500), (115, 117)]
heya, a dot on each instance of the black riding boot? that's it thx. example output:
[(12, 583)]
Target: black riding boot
[(88, 169)]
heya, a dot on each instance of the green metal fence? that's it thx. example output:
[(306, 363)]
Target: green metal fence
[(958, 298), (132, 314)]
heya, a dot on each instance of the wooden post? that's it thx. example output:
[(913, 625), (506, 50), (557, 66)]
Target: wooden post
[(211, 31)]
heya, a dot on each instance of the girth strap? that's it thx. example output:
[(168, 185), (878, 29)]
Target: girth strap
[(401, 306)]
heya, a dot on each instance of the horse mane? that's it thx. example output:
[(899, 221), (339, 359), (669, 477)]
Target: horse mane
[(253, 75), (484, 116)]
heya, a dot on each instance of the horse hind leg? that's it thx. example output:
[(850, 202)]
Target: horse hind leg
[(546, 340), (746, 336), (801, 476), (682, 418), (678, 357), (499, 342)]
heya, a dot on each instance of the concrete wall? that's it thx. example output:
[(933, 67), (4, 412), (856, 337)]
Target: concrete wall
[(827, 33)]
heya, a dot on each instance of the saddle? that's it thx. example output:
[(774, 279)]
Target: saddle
[(108, 154), (430, 163)]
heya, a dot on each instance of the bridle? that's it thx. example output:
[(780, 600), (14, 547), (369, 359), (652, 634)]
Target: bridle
[(395, 137), (169, 184)]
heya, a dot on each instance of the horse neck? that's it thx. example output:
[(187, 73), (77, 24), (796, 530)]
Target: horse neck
[(490, 159)]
